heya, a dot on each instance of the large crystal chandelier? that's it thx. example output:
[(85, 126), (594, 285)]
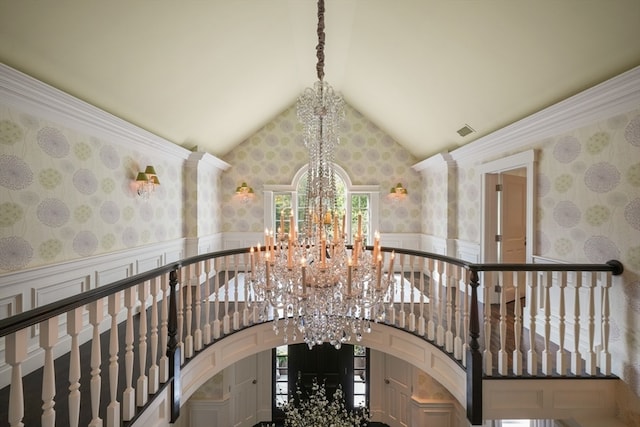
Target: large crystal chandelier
[(308, 281)]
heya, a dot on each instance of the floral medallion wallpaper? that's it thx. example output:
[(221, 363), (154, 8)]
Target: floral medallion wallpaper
[(275, 153), (65, 195)]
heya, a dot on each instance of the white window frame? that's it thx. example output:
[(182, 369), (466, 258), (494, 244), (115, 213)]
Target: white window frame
[(373, 191)]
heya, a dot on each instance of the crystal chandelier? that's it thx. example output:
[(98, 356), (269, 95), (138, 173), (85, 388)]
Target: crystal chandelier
[(309, 281)]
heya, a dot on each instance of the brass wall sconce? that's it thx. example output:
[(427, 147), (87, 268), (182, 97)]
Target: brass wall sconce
[(398, 192), (146, 182), (244, 192)]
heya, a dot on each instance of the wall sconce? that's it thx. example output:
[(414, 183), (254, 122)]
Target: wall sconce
[(146, 182), (398, 192), (244, 192)]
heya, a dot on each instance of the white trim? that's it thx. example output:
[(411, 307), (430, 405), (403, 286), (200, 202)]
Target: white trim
[(23, 92), (614, 96)]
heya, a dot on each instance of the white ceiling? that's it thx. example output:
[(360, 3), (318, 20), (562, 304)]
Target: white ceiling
[(209, 73)]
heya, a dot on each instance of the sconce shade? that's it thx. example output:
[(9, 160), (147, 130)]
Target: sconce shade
[(398, 189), (150, 170), (142, 177), (154, 180)]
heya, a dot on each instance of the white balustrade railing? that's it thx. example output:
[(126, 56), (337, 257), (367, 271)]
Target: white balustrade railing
[(431, 297)]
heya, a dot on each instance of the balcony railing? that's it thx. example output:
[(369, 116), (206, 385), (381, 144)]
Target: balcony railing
[(170, 314)]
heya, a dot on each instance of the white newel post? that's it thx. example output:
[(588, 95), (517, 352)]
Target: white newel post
[(15, 353), (48, 339), (142, 385), (95, 317), (113, 410), (74, 326)]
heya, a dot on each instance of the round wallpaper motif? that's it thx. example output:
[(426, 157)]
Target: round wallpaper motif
[(632, 213), (53, 142), (109, 157), (566, 214), (601, 177), (85, 243), (567, 149), (85, 181), (49, 249), (632, 132), (49, 178), (10, 132), (10, 213), (600, 249), (82, 151), (15, 253), (598, 142), (15, 174), (53, 212)]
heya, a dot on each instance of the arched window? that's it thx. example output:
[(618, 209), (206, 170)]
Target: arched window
[(352, 200)]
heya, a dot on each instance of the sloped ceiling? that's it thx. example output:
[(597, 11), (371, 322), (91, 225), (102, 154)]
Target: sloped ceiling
[(209, 73)]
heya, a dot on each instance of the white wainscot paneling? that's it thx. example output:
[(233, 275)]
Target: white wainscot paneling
[(400, 240), (432, 413), (467, 251), (146, 264), (208, 413), (437, 245), (47, 294), (113, 274)]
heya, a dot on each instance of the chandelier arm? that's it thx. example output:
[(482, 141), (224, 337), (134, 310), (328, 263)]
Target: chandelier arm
[(320, 46)]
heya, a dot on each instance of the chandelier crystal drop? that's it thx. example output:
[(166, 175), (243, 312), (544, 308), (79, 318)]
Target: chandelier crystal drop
[(308, 281)]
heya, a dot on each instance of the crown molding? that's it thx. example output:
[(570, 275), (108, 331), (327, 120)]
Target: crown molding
[(618, 95), (23, 92), (440, 159), (201, 157)]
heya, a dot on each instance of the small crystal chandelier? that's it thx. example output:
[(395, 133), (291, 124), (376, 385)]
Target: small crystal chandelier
[(310, 282)]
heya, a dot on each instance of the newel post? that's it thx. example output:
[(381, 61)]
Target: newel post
[(173, 351), (474, 358)]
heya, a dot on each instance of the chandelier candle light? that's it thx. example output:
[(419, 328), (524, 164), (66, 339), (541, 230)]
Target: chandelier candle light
[(310, 280)]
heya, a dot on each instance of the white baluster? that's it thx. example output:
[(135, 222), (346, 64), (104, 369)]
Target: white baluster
[(226, 327), (451, 280), (163, 363), (421, 321), (188, 282), (48, 339), (441, 286), (502, 353), (561, 354), (517, 327), (459, 283), (246, 319), (591, 356), (207, 305), (412, 315), (465, 314), (154, 377), (180, 288), (129, 396), (197, 333), (576, 357), (433, 278), (605, 356), (142, 385), (546, 353), (95, 317), (113, 410), (74, 326), (15, 354), (532, 301), (236, 313), (487, 353), (216, 300), (403, 316)]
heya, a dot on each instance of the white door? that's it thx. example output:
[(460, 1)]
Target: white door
[(513, 221), (397, 392), (245, 393)]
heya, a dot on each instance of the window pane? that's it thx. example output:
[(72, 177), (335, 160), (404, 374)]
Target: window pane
[(282, 205), (360, 206)]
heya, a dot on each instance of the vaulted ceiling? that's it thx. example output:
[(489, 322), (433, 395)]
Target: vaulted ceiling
[(209, 73)]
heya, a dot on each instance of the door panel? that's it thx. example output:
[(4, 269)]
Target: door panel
[(245, 403), (514, 228), (397, 392)]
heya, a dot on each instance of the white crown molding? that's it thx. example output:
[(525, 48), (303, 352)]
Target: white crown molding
[(614, 96), (199, 157), (440, 159), (23, 92)]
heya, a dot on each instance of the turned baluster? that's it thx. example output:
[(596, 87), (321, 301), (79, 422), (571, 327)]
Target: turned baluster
[(576, 357), (433, 277), (421, 321), (95, 317), (226, 327), (74, 326), (154, 378), (517, 326), (216, 300), (487, 354), (236, 278), (591, 357), (163, 364), (48, 339), (561, 355), (459, 304), (207, 305), (113, 410), (412, 302), (532, 301), (188, 283), (197, 333), (546, 353), (605, 355), (449, 284), (142, 385), (502, 352), (15, 354), (128, 397)]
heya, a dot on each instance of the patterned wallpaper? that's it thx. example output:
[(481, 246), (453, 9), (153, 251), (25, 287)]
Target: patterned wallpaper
[(588, 199), (66, 195), (275, 153)]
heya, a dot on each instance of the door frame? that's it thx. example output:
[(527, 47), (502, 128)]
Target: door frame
[(489, 223)]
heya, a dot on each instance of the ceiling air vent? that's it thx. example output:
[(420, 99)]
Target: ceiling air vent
[(465, 130)]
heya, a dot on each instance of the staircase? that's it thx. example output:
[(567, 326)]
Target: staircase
[(132, 351)]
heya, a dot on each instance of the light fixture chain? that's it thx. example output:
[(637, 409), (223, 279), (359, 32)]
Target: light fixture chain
[(320, 46)]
